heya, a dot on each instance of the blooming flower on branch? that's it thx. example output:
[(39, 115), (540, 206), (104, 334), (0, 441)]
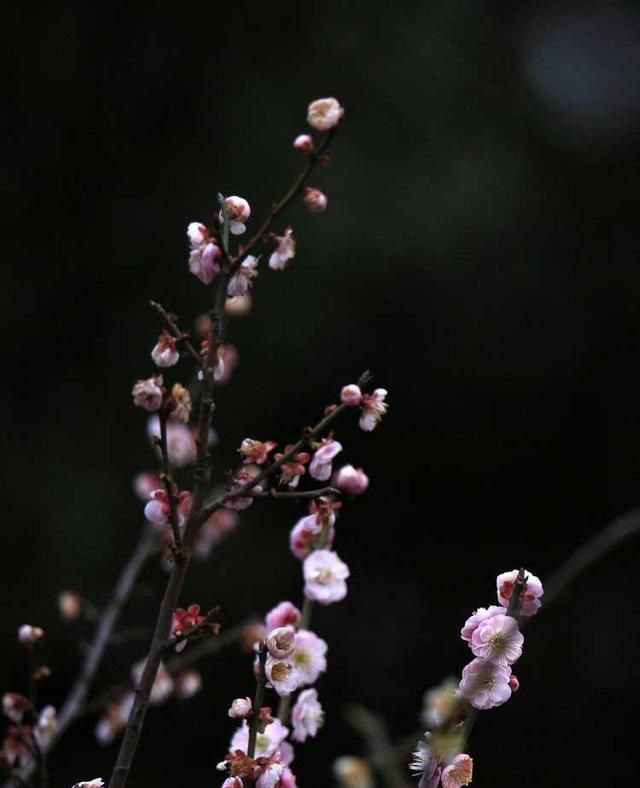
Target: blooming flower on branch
[(238, 210), (530, 597), (426, 765), (242, 280), (320, 466), (164, 353), (256, 451), (240, 708), (184, 620), (485, 684), (270, 773), (293, 469), (148, 393), (307, 715), (440, 704), (314, 199), (243, 476), (179, 403), (204, 258), (324, 113), (282, 675), (284, 252), (373, 408), (325, 577), (458, 773), (309, 657), (350, 480), (303, 535), (267, 743), (480, 615), (498, 639), (158, 509)]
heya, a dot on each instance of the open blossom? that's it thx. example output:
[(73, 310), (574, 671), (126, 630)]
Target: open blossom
[(324, 113), (309, 657), (480, 615), (158, 509), (282, 675), (351, 395), (314, 199), (303, 143), (282, 615), (233, 782), (458, 773), (267, 743), (181, 445), (270, 774), (256, 451), (205, 254), (350, 480), (320, 466), (179, 403), (424, 763), (325, 577), (498, 639), (373, 408), (242, 280), (98, 782), (307, 715), (532, 591), (148, 393), (184, 620), (307, 530), (164, 353), (243, 476), (285, 251), (293, 469), (485, 684), (281, 641), (30, 635), (238, 210), (240, 708)]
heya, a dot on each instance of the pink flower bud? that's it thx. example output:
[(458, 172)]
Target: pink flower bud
[(281, 642), (314, 199), (164, 354), (351, 395), (30, 635), (148, 393), (514, 683), (282, 615), (240, 708), (325, 113), (353, 481), (303, 143), (238, 211)]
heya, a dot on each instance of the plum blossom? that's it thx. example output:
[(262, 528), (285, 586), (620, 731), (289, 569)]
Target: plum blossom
[(314, 199), (350, 480), (281, 642), (351, 395), (14, 705), (282, 615), (459, 772), (424, 763), (179, 403), (240, 708), (373, 407), (205, 254), (145, 483), (97, 782), (303, 143), (533, 590), (270, 774), (440, 704), (164, 353), (148, 393), (325, 575), (267, 743), (498, 639), (309, 657), (480, 615), (303, 535), (320, 465), (256, 451), (324, 113), (232, 782), (307, 715), (287, 778), (293, 469), (485, 684), (184, 620), (243, 476), (238, 211), (181, 445), (284, 252), (29, 635), (242, 280), (158, 509), (282, 675)]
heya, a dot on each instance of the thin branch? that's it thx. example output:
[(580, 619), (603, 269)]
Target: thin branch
[(167, 480), (318, 493), (177, 333), (257, 702)]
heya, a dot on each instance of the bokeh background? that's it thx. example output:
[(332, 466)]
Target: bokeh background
[(479, 254)]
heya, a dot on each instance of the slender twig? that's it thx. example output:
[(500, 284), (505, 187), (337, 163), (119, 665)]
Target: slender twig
[(167, 480), (257, 702), (177, 333), (515, 603), (318, 493)]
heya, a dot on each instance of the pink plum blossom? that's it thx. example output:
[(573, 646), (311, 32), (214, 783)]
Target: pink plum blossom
[(282, 615), (425, 764), (314, 199), (498, 639), (97, 782), (309, 657), (287, 778), (197, 233), (293, 469), (238, 210), (282, 675), (281, 642), (533, 590), (240, 708), (324, 113), (307, 715), (181, 444), (458, 773), (350, 480), (256, 451), (242, 280), (205, 255), (305, 532), (243, 476), (303, 143), (267, 743), (351, 395), (485, 684), (325, 577), (481, 614), (145, 483), (373, 407), (284, 252), (148, 393), (270, 775), (232, 782), (158, 509), (320, 465), (164, 353)]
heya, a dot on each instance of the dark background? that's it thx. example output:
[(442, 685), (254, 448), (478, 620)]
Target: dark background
[(479, 254)]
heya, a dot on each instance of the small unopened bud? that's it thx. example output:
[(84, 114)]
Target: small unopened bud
[(30, 635), (514, 683), (314, 199), (281, 642), (303, 143), (240, 709), (351, 395), (353, 481), (70, 605)]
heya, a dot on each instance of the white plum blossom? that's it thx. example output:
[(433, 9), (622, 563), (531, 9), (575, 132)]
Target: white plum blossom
[(238, 210), (164, 353), (282, 675), (309, 657), (205, 254), (242, 280), (240, 708), (373, 408), (148, 393), (270, 776), (307, 715), (324, 113), (320, 465), (267, 743), (325, 577), (284, 252), (281, 642), (498, 639)]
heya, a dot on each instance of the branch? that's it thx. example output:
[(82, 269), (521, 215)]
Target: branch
[(166, 478), (257, 702), (318, 493), (177, 333)]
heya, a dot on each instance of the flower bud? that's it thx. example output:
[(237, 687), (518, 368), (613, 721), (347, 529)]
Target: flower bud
[(353, 481), (164, 353), (240, 708), (514, 683), (30, 635), (314, 199), (148, 393), (351, 395), (238, 211), (303, 143)]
